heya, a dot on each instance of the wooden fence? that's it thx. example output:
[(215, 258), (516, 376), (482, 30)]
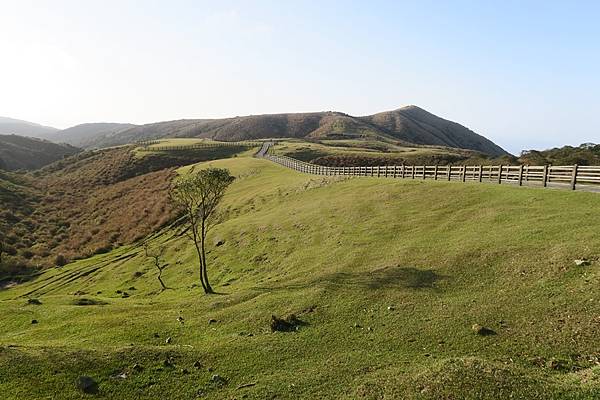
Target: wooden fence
[(196, 146), (572, 176)]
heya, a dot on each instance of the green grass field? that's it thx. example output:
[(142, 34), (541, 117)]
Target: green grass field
[(366, 149), (388, 276)]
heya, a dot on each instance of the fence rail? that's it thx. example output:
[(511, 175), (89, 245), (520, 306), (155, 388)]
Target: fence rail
[(196, 146), (571, 177)]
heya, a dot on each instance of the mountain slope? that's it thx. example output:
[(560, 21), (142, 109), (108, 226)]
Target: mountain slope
[(10, 126), (415, 125), (86, 135), (19, 152), (406, 125)]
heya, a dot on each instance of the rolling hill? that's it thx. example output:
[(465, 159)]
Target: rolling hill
[(85, 135), (407, 125), (10, 126), (388, 281), (19, 152)]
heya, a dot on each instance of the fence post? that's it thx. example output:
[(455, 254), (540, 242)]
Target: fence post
[(435, 173), (574, 177), (402, 171), (449, 171), (480, 173), (413, 172), (464, 173), (521, 175), (545, 176), (499, 174)]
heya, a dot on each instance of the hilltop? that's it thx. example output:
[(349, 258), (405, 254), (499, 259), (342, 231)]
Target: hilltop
[(19, 152), (388, 281)]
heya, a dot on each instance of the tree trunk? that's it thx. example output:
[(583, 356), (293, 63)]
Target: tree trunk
[(208, 289), (164, 287), (200, 262)]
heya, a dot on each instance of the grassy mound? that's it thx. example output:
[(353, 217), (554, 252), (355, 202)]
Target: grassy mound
[(387, 276)]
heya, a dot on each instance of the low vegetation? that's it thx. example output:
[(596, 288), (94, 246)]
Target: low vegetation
[(87, 204), (331, 287)]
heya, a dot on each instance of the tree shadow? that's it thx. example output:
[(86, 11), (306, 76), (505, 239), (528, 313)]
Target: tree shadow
[(382, 278), (388, 277)]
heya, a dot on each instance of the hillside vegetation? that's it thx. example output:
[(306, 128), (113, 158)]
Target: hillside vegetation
[(19, 152), (411, 125), (585, 154), (87, 204), (387, 280)]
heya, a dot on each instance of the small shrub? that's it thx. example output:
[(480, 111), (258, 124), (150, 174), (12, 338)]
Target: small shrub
[(60, 260)]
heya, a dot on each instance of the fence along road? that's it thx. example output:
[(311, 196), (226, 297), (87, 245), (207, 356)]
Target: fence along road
[(574, 177)]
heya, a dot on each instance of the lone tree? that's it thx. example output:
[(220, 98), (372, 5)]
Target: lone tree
[(156, 254), (198, 196)]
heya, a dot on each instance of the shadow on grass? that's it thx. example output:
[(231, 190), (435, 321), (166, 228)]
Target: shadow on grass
[(383, 278)]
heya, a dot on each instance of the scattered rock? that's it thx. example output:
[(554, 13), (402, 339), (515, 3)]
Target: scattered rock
[(34, 321), (582, 262), (168, 362), (132, 288), (34, 302), (125, 295), (79, 293), (212, 321), (289, 324), (99, 292), (557, 365), (219, 242), (357, 325), (156, 335), (137, 367), (210, 369), (482, 330), (185, 371), (391, 308), (169, 340), (118, 291), (250, 334), (137, 274), (369, 329), (180, 319), (87, 385), (218, 379), (197, 364)]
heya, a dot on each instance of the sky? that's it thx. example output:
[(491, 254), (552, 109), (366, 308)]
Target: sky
[(525, 74)]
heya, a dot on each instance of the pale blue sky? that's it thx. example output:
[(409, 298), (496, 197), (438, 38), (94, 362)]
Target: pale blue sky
[(525, 74)]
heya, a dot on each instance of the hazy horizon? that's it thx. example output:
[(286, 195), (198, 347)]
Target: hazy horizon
[(523, 75)]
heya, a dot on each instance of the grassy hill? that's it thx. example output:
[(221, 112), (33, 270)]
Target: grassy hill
[(408, 125), (19, 152), (388, 279)]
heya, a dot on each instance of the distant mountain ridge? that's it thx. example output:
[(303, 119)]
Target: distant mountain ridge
[(11, 126), (408, 124), (20, 152), (85, 135)]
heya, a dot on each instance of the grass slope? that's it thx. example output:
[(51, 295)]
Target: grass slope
[(337, 253)]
